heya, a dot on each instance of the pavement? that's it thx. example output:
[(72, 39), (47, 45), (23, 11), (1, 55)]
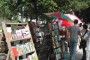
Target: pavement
[(79, 54)]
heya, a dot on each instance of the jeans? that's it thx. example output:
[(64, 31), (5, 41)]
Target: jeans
[(73, 46)]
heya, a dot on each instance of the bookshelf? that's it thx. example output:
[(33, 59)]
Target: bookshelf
[(56, 41), (19, 41)]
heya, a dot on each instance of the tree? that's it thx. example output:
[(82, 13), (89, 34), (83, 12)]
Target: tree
[(36, 8)]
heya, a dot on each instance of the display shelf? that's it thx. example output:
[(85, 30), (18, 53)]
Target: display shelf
[(16, 23), (30, 53), (19, 40), (56, 41)]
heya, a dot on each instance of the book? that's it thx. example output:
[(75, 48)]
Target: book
[(31, 46), (23, 49), (19, 34), (14, 36), (9, 29), (30, 57), (19, 50), (9, 36), (9, 33), (28, 48), (25, 33), (14, 50), (34, 56)]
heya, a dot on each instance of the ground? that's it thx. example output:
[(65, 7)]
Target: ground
[(78, 54)]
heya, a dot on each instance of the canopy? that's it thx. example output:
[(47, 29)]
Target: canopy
[(62, 22), (69, 17), (73, 17), (64, 19)]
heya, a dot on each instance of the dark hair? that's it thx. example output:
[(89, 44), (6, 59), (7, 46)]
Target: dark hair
[(80, 24), (85, 26), (75, 21)]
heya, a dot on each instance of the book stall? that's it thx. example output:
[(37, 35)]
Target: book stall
[(38, 34), (60, 42), (39, 40), (19, 41), (56, 41)]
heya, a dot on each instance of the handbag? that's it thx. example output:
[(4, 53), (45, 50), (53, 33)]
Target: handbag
[(83, 41), (82, 44)]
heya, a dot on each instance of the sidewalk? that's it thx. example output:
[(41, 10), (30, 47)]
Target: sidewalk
[(78, 54)]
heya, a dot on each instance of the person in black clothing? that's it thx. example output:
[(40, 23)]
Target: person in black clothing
[(84, 32), (48, 42)]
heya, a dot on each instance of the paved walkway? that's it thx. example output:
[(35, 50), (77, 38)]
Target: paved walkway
[(78, 54)]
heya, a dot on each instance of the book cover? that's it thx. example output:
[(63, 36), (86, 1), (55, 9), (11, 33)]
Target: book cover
[(34, 56), (30, 57), (9, 33), (19, 50), (23, 49), (19, 34), (9, 36), (14, 36), (25, 33), (28, 48), (28, 44), (14, 50), (31, 46), (9, 29)]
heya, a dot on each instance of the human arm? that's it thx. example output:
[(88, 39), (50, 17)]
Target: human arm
[(79, 33), (68, 35)]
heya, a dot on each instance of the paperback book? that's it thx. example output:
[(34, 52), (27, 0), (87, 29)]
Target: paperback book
[(25, 33), (19, 34), (14, 50)]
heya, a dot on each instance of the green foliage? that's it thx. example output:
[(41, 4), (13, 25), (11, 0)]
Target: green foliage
[(35, 8), (48, 6), (7, 9), (79, 4)]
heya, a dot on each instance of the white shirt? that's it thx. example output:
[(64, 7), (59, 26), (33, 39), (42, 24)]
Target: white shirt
[(87, 38)]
